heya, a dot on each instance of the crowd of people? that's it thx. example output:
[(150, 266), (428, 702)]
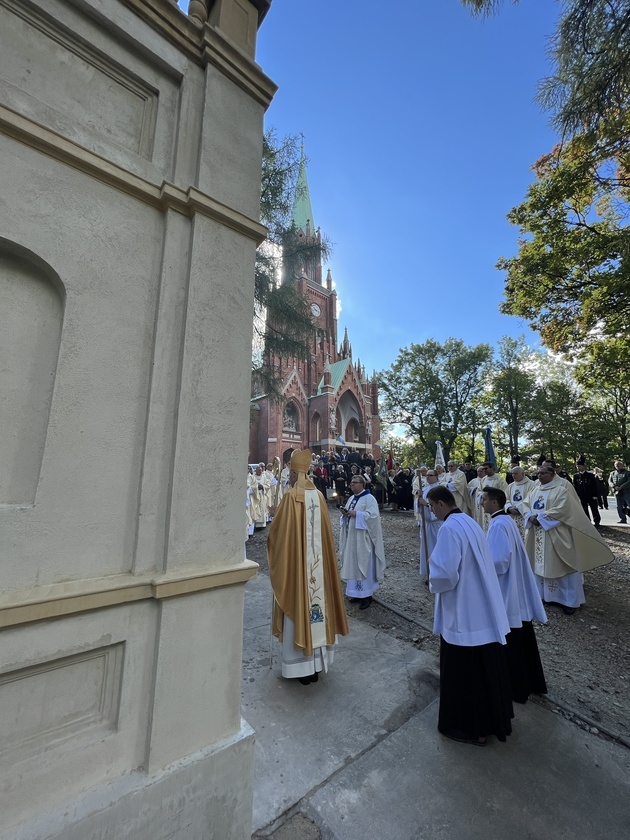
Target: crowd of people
[(494, 551)]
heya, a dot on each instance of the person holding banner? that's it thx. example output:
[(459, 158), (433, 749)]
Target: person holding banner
[(308, 612)]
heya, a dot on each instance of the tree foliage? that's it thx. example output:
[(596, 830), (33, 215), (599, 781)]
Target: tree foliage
[(429, 387), (606, 382), (535, 402), (570, 276), (511, 390), (591, 54)]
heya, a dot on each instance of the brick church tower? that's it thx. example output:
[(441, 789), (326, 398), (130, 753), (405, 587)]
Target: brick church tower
[(327, 395)]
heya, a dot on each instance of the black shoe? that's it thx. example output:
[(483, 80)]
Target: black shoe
[(304, 680), (568, 610), (622, 522), (365, 602), (354, 600), (463, 738)]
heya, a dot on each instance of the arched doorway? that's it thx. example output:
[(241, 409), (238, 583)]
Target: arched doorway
[(350, 418)]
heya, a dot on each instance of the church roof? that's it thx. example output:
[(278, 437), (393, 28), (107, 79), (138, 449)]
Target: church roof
[(337, 371), (302, 210)]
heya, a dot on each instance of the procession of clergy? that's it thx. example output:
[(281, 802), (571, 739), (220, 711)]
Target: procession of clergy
[(492, 553)]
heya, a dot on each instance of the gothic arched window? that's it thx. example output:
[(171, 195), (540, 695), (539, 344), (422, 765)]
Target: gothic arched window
[(290, 417)]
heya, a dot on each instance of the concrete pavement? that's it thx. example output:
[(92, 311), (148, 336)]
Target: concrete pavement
[(357, 755)]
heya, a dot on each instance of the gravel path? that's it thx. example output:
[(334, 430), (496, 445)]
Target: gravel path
[(586, 656)]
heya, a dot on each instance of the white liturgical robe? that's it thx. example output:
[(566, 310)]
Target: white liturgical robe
[(517, 494), (469, 608), (432, 526), (458, 485), (361, 540), (516, 578)]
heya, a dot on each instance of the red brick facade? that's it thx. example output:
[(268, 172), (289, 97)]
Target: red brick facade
[(327, 379)]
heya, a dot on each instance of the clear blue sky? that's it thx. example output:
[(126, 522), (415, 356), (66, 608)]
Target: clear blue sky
[(420, 128)]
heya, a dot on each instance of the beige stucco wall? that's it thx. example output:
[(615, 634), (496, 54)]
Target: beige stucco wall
[(130, 142)]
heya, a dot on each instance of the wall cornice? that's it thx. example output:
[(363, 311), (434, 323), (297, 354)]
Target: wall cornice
[(219, 51), (206, 44), (72, 598), (163, 196)]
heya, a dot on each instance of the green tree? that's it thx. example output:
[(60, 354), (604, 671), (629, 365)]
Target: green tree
[(570, 276), (429, 386), (556, 421), (590, 50), (511, 387), (607, 387), (283, 325)]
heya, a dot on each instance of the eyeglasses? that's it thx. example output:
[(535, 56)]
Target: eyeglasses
[(431, 474)]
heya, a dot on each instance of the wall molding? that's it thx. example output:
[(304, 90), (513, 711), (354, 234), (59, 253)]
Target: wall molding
[(71, 598), (208, 44), (162, 196)]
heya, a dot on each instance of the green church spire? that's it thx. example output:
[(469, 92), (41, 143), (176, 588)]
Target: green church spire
[(302, 210)]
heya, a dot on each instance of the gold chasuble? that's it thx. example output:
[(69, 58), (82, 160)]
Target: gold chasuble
[(303, 565), (573, 545)]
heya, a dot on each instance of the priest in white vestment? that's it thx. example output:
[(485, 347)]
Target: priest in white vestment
[(520, 596), (416, 490), (457, 483), (431, 524), (560, 540), (257, 498), (470, 617), (270, 482), (248, 510), (490, 479), (475, 496), (361, 544), (517, 494)]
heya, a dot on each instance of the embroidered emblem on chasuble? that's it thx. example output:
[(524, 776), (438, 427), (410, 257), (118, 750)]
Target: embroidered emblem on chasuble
[(539, 541), (315, 569)]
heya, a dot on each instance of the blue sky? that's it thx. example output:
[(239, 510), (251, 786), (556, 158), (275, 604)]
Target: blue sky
[(420, 128)]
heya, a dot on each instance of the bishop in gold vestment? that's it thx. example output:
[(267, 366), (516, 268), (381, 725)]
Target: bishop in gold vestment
[(308, 612)]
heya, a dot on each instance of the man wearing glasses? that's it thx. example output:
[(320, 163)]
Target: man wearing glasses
[(361, 544)]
